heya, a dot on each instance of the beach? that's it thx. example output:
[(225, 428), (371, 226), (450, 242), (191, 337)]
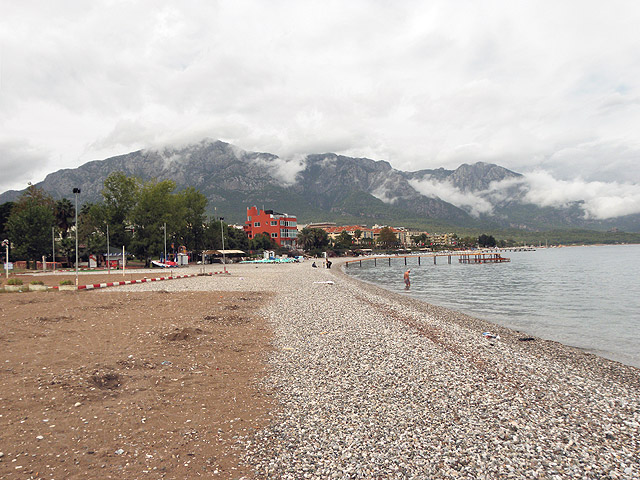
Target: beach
[(343, 380)]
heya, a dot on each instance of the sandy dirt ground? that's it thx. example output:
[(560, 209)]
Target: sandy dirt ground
[(129, 385)]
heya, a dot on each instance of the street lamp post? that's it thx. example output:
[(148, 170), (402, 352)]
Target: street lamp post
[(224, 260), (53, 247), (76, 191), (165, 243), (5, 243), (108, 251)]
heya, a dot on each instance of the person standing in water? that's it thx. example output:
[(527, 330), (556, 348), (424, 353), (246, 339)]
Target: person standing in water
[(407, 282)]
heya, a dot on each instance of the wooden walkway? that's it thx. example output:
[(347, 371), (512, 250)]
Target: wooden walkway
[(464, 257)]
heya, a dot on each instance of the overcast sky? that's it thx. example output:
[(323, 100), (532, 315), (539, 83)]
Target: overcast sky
[(546, 88)]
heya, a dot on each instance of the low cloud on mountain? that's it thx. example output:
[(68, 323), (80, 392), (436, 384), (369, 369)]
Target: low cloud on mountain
[(284, 169), (598, 200), (387, 191), (472, 202)]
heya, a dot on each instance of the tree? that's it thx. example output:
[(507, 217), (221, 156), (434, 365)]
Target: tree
[(312, 239), (156, 206), (5, 211), (212, 236), (420, 240), (262, 241), (467, 242), (65, 213), (92, 227), (237, 239), (387, 238), (120, 194), (486, 241), (344, 240), (191, 212), (320, 238), (357, 234), (305, 239), (29, 224), (65, 248), (367, 242)]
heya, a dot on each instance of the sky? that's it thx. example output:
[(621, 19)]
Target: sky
[(545, 88)]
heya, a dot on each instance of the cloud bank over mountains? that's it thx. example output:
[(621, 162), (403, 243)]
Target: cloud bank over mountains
[(548, 89), (473, 202), (598, 200)]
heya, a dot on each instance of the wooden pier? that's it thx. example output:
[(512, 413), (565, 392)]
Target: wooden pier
[(483, 258), (467, 257)]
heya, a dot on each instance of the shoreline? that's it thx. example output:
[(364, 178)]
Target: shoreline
[(573, 353), (541, 330), (375, 384)]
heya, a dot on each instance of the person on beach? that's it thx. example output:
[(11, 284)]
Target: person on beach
[(407, 282), (328, 264), (314, 265)]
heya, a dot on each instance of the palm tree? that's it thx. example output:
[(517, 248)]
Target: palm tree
[(320, 238), (64, 213), (305, 239)]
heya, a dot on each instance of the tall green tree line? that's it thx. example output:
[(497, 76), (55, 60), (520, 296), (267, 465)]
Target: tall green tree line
[(135, 214)]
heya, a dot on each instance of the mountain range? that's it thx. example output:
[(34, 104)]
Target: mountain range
[(330, 187)]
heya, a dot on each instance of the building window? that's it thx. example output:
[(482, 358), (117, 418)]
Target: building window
[(274, 222), (274, 235), (256, 224), (249, 218)]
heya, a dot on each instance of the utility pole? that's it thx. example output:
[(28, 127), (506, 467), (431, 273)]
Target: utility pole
[(224, 260), (108, 251), (5, 243), (165, 243), (53, 247), (76, 191)]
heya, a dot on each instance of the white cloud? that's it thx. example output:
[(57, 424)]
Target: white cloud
[(599, 200), (21, 162), (552, 85), (386, 192), (472, 202), (283, 169)]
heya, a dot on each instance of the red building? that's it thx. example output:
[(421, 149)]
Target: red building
[(282, 228)]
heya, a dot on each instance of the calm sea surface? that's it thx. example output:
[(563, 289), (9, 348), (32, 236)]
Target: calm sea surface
[(587, 297)]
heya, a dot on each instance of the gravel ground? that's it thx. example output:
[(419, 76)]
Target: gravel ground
[(377, 385)]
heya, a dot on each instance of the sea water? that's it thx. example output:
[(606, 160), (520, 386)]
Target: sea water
[(587, 297)]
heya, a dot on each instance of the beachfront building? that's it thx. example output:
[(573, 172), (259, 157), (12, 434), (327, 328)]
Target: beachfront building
[(400, 234), (443, 239), (367, 235), (334, 232), (321, 225), (282, 228), (370, 235)]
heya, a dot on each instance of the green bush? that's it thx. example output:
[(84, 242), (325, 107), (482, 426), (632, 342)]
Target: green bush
[(66, 282), (36, 282), (14, 281)]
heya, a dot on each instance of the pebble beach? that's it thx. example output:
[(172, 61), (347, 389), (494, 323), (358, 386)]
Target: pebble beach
[(372, 384)]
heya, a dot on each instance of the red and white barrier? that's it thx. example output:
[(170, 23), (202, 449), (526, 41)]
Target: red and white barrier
[(93, 286)]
